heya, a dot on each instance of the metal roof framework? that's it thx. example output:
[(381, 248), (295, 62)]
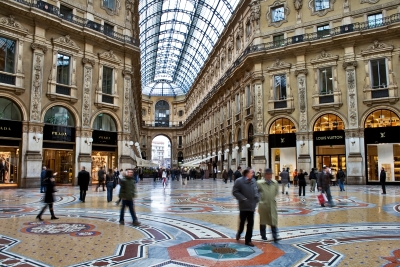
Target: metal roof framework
[(176, 38)]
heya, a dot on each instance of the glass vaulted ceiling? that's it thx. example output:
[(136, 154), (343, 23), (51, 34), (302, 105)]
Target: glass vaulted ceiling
[(176, 37)]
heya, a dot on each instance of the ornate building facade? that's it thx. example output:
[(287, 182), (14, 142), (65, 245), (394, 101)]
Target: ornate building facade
[(69, 87), (298, 84)]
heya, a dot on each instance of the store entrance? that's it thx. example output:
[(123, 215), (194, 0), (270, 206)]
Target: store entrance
[(62, 162), (331, 156), (9, 162), (102, 159)]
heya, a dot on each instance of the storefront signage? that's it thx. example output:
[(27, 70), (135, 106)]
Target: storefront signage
[(282, 140), (104, 138), (58, 133), (382, 135), (325, 138), (11, 129)]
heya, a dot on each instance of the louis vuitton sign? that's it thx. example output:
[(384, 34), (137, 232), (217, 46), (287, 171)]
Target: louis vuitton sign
[(325, 138), (282, 140), (382, 135), (11, 129)]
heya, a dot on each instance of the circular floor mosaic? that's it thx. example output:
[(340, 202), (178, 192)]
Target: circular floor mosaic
[(73, 229), (224, 251)]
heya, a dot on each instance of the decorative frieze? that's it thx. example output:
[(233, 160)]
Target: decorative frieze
[(86, 100), (36, 91), (37, 46), (12, 25)]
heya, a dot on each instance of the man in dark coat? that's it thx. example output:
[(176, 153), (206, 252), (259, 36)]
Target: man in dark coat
[(42, 177), (238, 173), (101, 176), (324, 182), (230, 174), (382, 179), (83, 182)]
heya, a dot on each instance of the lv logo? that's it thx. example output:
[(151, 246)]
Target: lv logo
[(383, 135)]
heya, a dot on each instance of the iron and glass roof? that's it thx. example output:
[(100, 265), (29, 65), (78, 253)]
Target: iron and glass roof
[(176, 37)]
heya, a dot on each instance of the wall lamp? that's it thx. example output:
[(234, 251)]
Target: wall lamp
[(128, 144), (302, 143), (248, 145), (257, 145), (89, 141), (136, 144), (352, 141), (220, 152), (236, 148), (37, 137)]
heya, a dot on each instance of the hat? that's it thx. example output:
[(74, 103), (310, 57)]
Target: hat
[(268, 171)]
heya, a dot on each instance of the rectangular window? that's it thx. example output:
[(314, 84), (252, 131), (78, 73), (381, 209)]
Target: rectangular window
[(107, 80), (180, 140), (378, 73), (110, 4), (278, 14), (237, 103), (248, 96), (279, 40), (108, 29), (66, 12), (321, 4), (325, 81), (7, 55), (323, 31), (375, 20), (63, 67), (280, 87)]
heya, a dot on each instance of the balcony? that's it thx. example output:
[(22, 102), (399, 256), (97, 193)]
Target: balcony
[(381, 95), (48, 8), (107, 99), (7, 78), (325, 99), (330, 100), (249, 112), (237, 118), (281, 106), (63, 90)]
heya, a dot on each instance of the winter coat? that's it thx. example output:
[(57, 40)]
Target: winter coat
[(230, 173), (128, 188), (42, 176), (302, 179), (246, 192), (237, 174), (100, 175), (341, 176), (225, 175), (382, 176), (267, 207), (284, 177), (48, 196), (324, 180), (83, 180)]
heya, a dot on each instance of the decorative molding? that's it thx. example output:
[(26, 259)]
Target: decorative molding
[(36, 91), (348, 64), (86, 60), (301, 71), (352, 97), (279, 65), (66, 42), (325, 58), (127, 100), (320, 13), (286, 9), (298, 4), (37, 46), (369, 1), (11, 24), (86, 101), (376, 48), (127, 73), (110, 57), (114, 11)]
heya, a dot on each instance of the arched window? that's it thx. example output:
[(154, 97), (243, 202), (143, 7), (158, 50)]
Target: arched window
[(162, 114), (328, 122), (282, 126), (9, 110), (104, 122), (382, 118), (59, 115)]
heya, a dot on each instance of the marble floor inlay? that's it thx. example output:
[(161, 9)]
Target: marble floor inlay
[(195, 225)]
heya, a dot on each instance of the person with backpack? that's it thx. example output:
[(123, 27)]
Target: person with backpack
[(49, 183), (238, 173), (340, 177)]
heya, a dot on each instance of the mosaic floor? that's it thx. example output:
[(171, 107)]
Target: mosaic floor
[(195, 225)]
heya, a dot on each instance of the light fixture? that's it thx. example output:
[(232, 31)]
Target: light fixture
[(136, 144), (248, 145), (89, 141), (227, 150), (220, 152), (236, 148), (257, 145), (130, 143), (352, 141), (213, 153), (37, 137), (208, 154), (302, 143)]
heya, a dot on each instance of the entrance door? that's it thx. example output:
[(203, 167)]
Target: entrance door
[(333, 161)]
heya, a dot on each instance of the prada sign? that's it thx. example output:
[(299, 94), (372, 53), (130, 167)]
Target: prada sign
[(282, 140), (104, 138), (58, 133), (325, 138), (382, 135), (11, 129)]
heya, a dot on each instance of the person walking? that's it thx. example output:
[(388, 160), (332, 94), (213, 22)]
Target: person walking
[(267, 207), (49, 183), (340, 177), (42, 177), (83, 182), (382, 179), (101, 176), (164, 178), (245, 191), (127, 193), (110, 184), (285, 180), (230, 174), (324, 183), (295, 178), (238, 173), (225, 176), (313, 179), (302, 183)]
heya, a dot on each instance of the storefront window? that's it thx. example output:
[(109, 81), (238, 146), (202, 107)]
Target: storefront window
[(382, 118), (282, 126), (328, 122), (60, 161), (104, 122), (59, 115)]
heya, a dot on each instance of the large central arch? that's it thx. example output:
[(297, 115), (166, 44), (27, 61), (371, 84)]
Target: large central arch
[(161, 151)]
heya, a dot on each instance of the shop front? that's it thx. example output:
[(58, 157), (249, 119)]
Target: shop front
[(382, 146), (282, 146), (329, 143), (10, 142), (59, 144), (104, 146)]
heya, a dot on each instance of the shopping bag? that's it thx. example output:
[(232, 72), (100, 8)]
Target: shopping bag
[(322, 199), (117, 189)]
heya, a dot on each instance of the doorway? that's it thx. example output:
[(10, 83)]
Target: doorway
[(161, 151)]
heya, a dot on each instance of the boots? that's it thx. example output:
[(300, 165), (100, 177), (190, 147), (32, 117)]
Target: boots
[(53, 217), (274, 230), (263, 232)]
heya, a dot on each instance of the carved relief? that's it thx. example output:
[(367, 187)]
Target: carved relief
[(298, 4), (66, 41), (86, 60), (276, 4), (369, 1), (36, 100), (12, 24), (86, 102), (42, 47), (301, 81), (110, 56), (127, 117)]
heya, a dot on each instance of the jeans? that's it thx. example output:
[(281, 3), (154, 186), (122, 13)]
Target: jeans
[(101, 183), (42, 189), (173, 177), (249, 217), (110, 188), (341, 185), (263, 231), (327, 190), (302, 187), (128, 203), (283, 188), (137, 178), (230, 179), (313, 183), (82, 195)]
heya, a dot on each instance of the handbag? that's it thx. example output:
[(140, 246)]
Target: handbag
[(322, 198)]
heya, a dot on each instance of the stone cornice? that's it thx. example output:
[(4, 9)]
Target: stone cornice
[(38, 46)]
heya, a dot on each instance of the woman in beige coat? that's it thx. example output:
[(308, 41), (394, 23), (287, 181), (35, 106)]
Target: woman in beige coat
[(267, 207)]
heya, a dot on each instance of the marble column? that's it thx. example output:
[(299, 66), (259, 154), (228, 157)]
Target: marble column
[(260, 154)]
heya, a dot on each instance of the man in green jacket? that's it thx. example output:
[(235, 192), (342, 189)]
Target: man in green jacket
[(267, 206), (127, 193)]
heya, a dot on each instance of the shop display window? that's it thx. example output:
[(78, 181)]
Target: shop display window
[(282, 126), (382, 118), (386, 156), (62, 162), (102, 159), (328, 122), (9, 161)]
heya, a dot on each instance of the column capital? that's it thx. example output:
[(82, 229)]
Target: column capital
[(350, 64)]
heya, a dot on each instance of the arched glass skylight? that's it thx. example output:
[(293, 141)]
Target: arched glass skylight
[(176, 37)]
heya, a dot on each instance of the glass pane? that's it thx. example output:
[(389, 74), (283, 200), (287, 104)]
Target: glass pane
[(328, 122), (9, 110), (58, 115), (107, 80), (63, 66), (278, 14), (7, 55), (378, 74), (104, 122), (280, 87), (321, 4), (375, 20), (325, 81)]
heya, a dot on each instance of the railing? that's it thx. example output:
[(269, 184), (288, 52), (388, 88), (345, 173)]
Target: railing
[(107, 99), (324, 99), (280, 104), (6, 78), (379, 93), (63, 90), (54, 10)]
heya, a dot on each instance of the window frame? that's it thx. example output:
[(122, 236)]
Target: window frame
[(278, 4), (275, 91), (321, 1), (112, 79), (320, 91), (274, 10), (69, 68), (324, 30), (372, 75), (108, 4), (278, 42), (375, 24), (15, 59)]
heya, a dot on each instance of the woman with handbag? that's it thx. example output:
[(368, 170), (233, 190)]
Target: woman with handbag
[(49, 183), (110, 183)]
